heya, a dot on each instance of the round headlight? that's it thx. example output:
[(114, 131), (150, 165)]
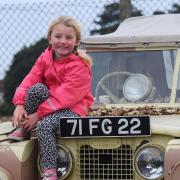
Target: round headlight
[(137, 87), (149, 162), (64, 162)]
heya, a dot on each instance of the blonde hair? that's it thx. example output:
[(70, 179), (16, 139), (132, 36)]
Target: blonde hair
[(70, 22)]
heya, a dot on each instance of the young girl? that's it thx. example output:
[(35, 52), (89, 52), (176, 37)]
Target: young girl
[(59, 84)]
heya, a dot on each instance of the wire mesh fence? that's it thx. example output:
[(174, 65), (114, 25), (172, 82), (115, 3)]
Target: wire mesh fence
[(148, 7), (23, 24)]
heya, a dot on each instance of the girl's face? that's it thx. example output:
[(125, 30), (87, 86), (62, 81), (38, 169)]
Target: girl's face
[(63, 40)]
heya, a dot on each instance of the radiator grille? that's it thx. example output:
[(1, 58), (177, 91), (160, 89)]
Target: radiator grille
[(106, 164)]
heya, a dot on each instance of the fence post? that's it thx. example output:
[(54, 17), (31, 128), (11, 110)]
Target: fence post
[(125, 9)]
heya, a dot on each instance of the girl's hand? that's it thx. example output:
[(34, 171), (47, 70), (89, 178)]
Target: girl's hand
[(30, 122), (18, 115)]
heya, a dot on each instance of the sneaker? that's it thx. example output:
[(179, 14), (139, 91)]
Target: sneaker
[(49, 177), (50, 174), (18, 134)]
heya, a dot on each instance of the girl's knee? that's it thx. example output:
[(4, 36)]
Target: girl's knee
[(37, 90), (38, 87)]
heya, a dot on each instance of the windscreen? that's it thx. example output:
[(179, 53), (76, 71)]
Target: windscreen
[(133, 76)]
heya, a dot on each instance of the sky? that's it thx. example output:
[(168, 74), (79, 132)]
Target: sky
[(37, 1), (22, 1), (140, 4), (22, 25)]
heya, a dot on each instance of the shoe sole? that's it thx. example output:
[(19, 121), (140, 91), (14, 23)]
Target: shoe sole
[(6, 127), (17, 138)]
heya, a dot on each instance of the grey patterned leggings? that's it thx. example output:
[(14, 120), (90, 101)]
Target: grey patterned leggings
[(47, 127)]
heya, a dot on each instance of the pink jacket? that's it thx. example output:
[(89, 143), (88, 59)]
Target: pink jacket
[(68, 82)]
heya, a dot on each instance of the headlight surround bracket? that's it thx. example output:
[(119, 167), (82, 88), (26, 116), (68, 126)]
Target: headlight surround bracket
[(149, 162)]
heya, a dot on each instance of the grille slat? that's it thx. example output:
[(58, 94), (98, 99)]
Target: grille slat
[(106, 164)]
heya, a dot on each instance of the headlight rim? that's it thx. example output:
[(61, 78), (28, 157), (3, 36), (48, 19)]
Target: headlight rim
[(5, 173), (71, 166), (135, 162)]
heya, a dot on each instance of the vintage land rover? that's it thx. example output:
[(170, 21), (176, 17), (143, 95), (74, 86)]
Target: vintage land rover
[(133, 129)]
